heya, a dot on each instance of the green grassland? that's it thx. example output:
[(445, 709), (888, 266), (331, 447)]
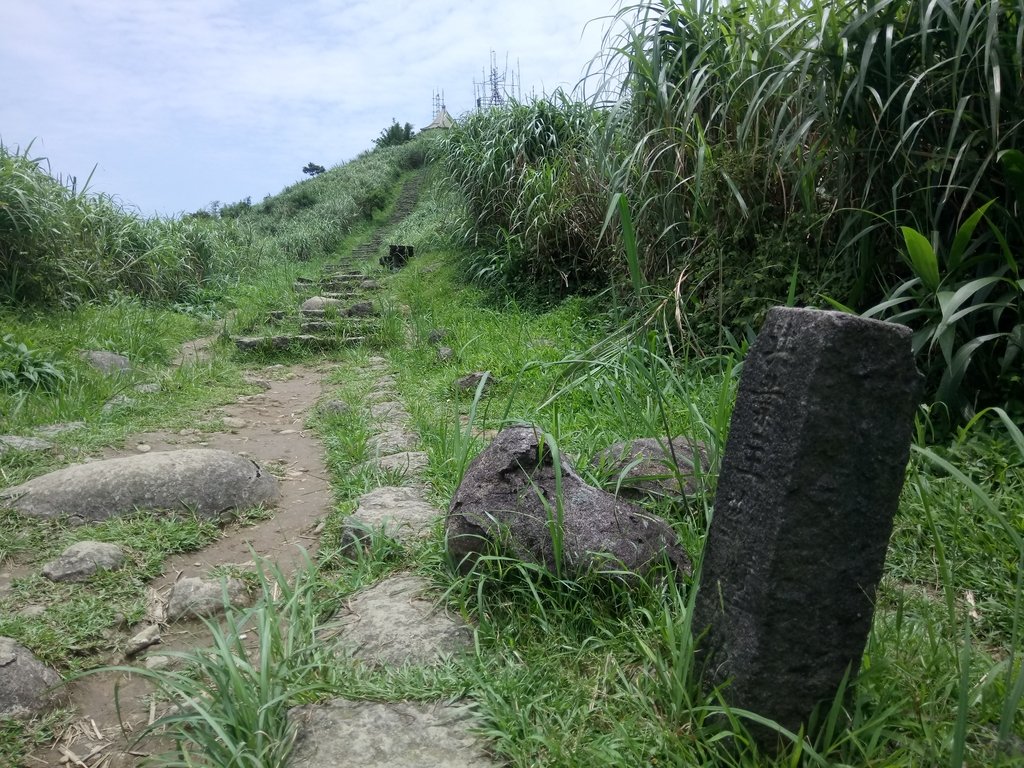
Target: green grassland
[(607, 263)]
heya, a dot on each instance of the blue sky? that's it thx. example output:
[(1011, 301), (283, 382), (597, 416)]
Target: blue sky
[(177, 103)]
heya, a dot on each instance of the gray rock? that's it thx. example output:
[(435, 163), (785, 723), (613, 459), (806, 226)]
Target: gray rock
[(82, 559), (411, 462), (25, 682), (506, 500), (381, 393), (396, 622), (106, 362), (26, 444), (320, 303), (391, 410), (393, 440), (437, 335), (193, 597), (362, 309), (471, 381), (445, 354), (369, 285), (52, 430), (386, 735), (117, 401), (148, 389), (335, 407), (201, 479), (233, 422), (654, 466), (810, 481), (148, 636), (401, 511)]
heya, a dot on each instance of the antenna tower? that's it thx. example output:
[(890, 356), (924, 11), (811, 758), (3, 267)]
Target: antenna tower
[(496, 88)]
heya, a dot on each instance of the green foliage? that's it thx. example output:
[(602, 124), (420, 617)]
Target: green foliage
[(967, 312), (394, 135), (62, 246), (231, 699), (534, 196), (25, 368)]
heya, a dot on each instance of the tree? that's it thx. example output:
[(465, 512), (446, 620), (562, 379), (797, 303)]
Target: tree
[(394, 135), (313, 169)]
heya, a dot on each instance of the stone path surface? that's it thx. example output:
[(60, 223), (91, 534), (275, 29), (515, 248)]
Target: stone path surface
[(399, 620), (386, 735)]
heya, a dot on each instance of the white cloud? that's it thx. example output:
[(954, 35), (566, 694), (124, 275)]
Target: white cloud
[(183, 101)]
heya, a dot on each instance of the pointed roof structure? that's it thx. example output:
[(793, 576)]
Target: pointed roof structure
[(441, 120)]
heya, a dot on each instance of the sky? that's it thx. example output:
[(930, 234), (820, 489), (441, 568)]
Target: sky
[(174, 104)]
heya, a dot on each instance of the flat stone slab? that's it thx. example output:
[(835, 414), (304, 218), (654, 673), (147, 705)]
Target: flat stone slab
[(389, 410), (25, 682), (396, 622), (284, 341), (26, 444), (412, 462), (82, 559), (386, 735), (400, 510), (393, 440), (205, 480), (319, 303), (52, 430)]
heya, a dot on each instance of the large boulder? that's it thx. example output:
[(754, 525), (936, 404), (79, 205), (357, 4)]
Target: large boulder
[(506, 502), (201, 479), (26, 684)]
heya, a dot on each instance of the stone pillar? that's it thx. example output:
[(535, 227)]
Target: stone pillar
[(810, 481)]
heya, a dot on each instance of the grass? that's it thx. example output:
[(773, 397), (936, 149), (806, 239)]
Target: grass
[(563, 672)]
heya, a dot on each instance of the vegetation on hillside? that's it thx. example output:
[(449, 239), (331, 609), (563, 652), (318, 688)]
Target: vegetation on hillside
[(774, 151), (755, 154)]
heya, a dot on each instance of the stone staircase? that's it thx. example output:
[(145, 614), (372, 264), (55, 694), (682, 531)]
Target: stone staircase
[(337, 308)]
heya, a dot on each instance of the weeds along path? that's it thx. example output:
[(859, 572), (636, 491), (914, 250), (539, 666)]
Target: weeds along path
[(390, 623)]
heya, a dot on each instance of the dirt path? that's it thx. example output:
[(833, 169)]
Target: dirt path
[(393, 621), (269, 427)]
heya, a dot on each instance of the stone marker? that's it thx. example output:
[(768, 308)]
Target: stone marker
[(202, 479), (396, 622), (810, 481), (26, 684), (400, 734), (506, 502)]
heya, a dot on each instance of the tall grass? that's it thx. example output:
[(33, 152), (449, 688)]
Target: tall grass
[(534, 195), (310, 219), (62, 246)]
